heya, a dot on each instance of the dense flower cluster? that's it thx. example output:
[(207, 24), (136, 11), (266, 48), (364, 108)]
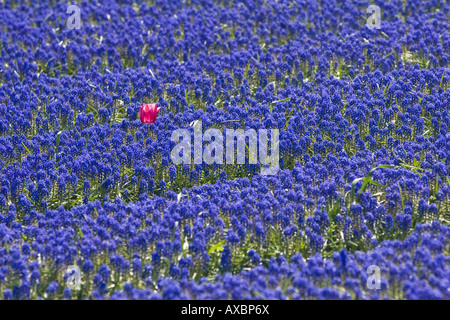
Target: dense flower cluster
[(363, 116), (417, 268)]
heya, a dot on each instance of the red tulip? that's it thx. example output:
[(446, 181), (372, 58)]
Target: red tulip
[(149, 112)]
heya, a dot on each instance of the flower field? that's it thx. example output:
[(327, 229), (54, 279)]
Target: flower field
[(92, 206)]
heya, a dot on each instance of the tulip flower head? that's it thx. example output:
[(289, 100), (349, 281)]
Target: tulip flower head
[(149, 112)]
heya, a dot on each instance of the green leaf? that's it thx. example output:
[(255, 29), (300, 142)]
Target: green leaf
[(282, 100), (90, 107), (257, 61), (217, 247), (410, 167), (367, 179), (336, 209), (387, 86), (342, 38), (80, 233), (29, 152), (437, 185), (376, 183), (287, 121), (385, 166)]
